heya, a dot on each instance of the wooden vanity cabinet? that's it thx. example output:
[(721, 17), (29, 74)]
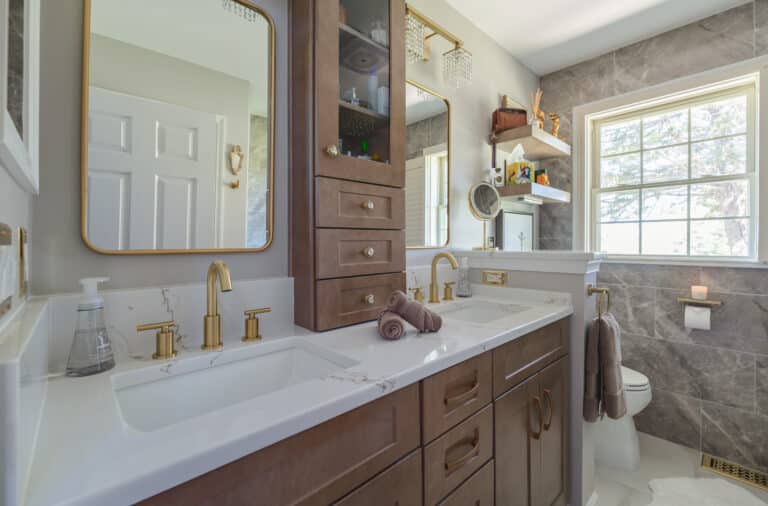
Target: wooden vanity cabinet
[(347, 157)]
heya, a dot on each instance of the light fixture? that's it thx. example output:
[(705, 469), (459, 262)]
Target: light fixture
[(457, 62), (240, 10)]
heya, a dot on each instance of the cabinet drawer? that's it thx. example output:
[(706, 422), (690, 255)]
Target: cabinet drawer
[(452, 458), (526, 355), (342, 253), (348, 301), (346, 204), (399, 485), (449, 397), (315, 467), (476, 491)]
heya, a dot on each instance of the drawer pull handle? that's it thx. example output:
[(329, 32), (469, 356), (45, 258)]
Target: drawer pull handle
[(332, 150), (463, 397), (451, 466), (368, 204), (548, 405), (537, 404), (369, 299), (369, 252)]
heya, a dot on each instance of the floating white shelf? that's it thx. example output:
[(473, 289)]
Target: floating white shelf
[(537, 143), (533, 192)]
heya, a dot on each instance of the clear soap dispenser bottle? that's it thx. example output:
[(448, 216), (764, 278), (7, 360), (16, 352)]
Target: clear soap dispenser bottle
[(463, 288), (91, 351)]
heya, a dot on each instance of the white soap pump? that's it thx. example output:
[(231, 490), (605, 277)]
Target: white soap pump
[(91, 350)]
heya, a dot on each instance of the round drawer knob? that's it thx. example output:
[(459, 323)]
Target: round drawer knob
[(369, 299), (369, 252), (368, 204), (332, 150)]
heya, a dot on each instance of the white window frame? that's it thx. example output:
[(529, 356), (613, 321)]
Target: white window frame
[(752, 72)]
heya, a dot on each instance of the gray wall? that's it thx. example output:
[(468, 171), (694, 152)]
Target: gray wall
[(58, 256), (710, 388)]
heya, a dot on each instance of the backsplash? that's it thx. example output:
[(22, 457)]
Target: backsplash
[(125, 309), (710, 388)]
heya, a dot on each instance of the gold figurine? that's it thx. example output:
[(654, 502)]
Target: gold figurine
[(555, 118), (538, 114)]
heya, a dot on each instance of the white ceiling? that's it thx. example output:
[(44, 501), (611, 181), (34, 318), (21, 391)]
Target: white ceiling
[(200, 32), (548, 35)]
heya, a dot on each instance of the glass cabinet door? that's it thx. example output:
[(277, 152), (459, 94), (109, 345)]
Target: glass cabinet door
[(361, 90)]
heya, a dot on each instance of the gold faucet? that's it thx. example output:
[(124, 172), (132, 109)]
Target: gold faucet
[(433, 295), (212, 320)]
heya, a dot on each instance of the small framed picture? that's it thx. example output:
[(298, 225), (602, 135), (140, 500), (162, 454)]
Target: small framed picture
[(19, 90)]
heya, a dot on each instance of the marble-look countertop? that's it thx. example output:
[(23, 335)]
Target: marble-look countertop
[(87, 455)]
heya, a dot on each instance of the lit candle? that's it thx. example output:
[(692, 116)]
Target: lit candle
[(699, 292)]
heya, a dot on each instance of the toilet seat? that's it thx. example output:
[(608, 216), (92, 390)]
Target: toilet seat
[(634, 381)]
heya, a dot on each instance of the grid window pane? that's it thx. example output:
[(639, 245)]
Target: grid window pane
[(667, 203), (666, 164), (665, 129), (729, 238), (620, 170), (665, 238), (620, 206), (720, 157), (720, 200), (716, 119), (620, 238), (620, 138)]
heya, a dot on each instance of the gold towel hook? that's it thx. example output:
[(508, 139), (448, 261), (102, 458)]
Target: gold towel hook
[(603, 293)]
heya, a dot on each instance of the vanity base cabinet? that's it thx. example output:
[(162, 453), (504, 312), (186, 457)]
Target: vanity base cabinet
[(400, 485)]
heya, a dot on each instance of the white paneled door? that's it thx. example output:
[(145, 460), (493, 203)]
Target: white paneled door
[(152, 174)]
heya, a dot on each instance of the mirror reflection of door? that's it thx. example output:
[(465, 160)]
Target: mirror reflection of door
[(427, 168), (179, 126)]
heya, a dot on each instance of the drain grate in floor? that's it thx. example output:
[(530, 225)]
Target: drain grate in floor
[(735, 471)]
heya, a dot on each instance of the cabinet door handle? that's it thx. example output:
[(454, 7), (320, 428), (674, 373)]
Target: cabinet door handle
[(368, 252), (463, 397), (369, 299), (453, 465), (537, 404), (332, 150), (368, 204), (548, 406)]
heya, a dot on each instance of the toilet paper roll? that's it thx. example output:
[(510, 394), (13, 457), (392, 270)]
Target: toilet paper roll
[(697, 317)]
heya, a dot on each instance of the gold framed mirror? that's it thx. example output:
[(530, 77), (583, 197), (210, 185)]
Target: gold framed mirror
[(427, 168), (178, 127)]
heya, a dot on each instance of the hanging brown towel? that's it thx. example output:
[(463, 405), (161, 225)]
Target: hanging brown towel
[(603, 385)]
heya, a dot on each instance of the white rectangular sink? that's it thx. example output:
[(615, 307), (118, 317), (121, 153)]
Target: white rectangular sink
[(156, 397), (480, 311)]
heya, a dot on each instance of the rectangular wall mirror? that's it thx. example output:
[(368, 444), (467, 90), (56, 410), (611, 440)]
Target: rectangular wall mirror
[(427, 168), (178, 127)]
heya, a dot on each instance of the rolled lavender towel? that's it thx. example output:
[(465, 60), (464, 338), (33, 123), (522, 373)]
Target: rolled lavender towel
[(391, 326), (414, 313)]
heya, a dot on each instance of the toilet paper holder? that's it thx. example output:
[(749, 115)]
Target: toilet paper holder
[(689, 301)]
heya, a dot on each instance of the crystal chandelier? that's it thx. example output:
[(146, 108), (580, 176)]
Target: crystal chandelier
[(240, 10), (457, 67), (414, 39)]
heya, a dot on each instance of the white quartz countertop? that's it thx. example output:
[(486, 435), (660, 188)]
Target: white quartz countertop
[(87, 455)]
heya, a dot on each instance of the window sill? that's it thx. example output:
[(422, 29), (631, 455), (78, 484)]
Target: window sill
[(750, 263)]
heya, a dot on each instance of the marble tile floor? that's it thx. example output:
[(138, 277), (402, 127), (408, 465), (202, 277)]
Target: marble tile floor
[(659, 459)]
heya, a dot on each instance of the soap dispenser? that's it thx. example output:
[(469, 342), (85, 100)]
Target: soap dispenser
[(464, 288), (91, 351)]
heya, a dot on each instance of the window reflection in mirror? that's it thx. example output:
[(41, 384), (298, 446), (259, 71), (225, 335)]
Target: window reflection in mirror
[(179, 126), (427, 168)]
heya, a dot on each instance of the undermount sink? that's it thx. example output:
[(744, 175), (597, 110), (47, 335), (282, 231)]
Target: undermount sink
[(480, 311), (166, 394)]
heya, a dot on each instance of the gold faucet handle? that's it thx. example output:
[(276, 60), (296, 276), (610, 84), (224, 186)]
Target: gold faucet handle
[(448, 290), (252, 323), (164, 338), (418, 294)]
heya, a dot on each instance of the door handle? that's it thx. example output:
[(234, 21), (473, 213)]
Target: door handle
[(537, 403), (453, 465), (368, 252), (368, 205), (463, 397), (548, 405), (332, 150)]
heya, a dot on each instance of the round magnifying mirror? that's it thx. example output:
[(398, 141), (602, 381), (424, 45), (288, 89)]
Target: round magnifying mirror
[(485, 204)]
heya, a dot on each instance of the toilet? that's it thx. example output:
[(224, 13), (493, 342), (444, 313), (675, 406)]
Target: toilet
[(616, 443)]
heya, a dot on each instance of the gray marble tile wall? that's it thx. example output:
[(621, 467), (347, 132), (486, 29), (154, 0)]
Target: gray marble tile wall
[(731, 36), (710, 388)]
